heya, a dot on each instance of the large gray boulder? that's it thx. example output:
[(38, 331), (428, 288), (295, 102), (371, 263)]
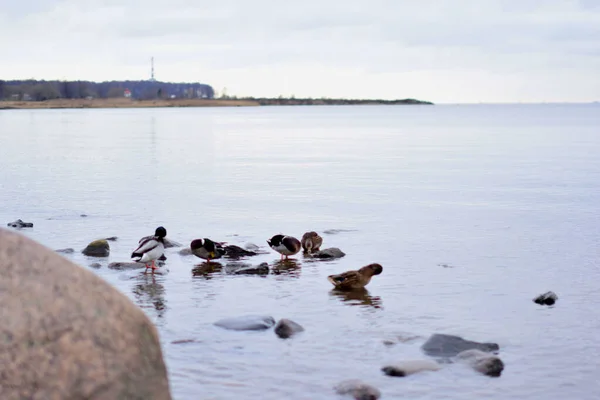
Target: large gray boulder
[(67, 334), (441, 345)]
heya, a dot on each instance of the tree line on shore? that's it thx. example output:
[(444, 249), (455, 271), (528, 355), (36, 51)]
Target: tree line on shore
[(41, 90)]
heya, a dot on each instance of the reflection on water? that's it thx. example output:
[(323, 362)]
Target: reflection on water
[(206, 269), (289, 268), (360, 297), (150, 294)]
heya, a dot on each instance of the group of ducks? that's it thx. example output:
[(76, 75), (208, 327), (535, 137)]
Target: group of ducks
[(151, 248)]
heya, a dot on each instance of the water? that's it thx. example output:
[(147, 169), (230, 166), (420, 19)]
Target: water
[(507, 196)]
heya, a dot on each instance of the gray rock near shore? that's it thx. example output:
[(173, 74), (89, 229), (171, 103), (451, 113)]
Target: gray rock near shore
[(234, 252), (336, 231), (441, 345), (95, 265), (329, 253), (247, 323), (120, 266), (357, 390), (20, 224), (410, 367), (67, 334), (66, 251), (251, 247), (260, 269), (481, 361), (286, 328), (547, 299), (97, 248)]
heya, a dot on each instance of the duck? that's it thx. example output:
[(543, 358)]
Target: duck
[(350, 280), (150, 248), (311, 241), (285, 245), (207, 249)]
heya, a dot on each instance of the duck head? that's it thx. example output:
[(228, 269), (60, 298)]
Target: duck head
[(371, 269), (275, 240), (160, 232), (196, 244)]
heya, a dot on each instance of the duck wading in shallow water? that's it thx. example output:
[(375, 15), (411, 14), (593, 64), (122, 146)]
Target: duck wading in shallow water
[(151, 248), (285, 245), (311, 242), (207, 249), (355, 279)]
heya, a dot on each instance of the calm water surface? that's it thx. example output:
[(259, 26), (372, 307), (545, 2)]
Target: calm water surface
[(508, 196)]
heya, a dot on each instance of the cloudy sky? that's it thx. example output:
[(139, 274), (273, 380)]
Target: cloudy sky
[(446, 51)]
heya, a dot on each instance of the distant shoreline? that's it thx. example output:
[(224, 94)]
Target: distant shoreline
[(161, 103)]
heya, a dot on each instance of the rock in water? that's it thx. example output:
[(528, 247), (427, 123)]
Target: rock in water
[(547, 298), (409, 367), (20, 224), (485, 363), (440, 345), (358, 390), (286, 328), (235, 252), (332, 252), (67, 334), (260, 269), (186, 251), (66, 251), (247, 323), (126, 265), (98, 248)]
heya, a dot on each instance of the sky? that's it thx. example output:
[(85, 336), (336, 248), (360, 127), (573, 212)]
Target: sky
[(445, 51)]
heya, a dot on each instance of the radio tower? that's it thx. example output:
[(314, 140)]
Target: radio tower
[(152, 70)]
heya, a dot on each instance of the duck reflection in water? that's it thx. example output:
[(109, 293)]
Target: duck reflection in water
[(206, 269), (287, 267), (357, 297), (150, 294)]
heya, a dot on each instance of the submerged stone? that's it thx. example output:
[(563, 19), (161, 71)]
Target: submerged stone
[(409, 367), (20, 224), (441, 345), (66, 251), (246, 323), (286, 328), (357, 390), (485, 363), (547, 299)]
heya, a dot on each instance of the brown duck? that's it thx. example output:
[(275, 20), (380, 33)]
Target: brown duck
[(311, 242), (355, 279)]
